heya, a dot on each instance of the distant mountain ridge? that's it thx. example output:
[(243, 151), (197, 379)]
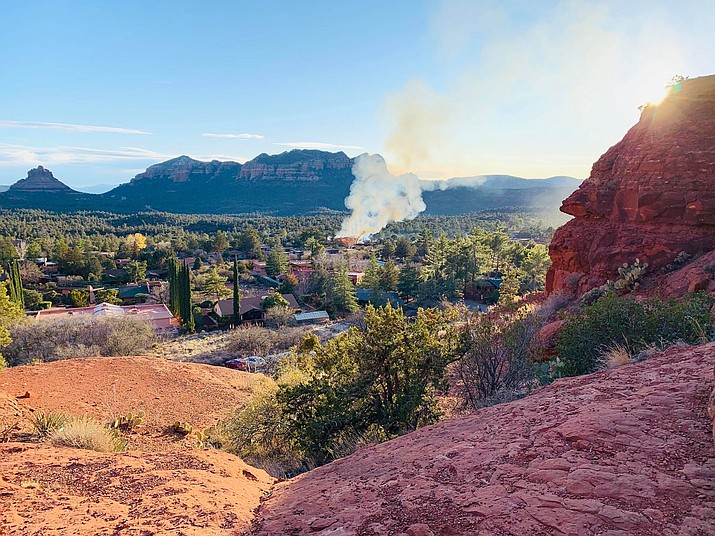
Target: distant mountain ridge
[(291, 183)]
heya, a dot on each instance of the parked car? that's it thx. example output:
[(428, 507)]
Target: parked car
[(248, 364)]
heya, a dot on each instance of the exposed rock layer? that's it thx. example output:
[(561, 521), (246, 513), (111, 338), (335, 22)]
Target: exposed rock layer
[(39, 179), (622, 452), (651, 196)]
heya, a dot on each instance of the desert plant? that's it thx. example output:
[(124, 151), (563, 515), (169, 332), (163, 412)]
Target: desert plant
[(87, 433), (128, 422), (182, 428), (45, 424), (279, 317), (615, 356)]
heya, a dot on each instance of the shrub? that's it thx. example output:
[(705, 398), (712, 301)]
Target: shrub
[(255, 340), (82, 336), (279, 317), (367, 384), (496, 363), (634, 325), (46, 424), (86, 433)]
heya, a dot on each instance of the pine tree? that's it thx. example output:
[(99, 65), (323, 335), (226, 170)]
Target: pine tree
[(236, 296), (341, 292), (389, 277), (277, 261), (371, 279), (409, 281)]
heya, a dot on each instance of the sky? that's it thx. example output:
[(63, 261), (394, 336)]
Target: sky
[(98, 91)]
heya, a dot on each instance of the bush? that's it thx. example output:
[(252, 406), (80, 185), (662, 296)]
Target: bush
[(255, 340), (634, 325), (366, 385), (279, 317), (86, 433), (82, 336), (496, 363)]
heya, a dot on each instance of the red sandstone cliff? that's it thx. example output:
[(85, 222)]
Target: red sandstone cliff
[(651, 196)]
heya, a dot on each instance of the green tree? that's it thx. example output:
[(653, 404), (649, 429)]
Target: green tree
[(215, 285), (341, 292), (236, 296), (220, 242), (136, 270), (8, 253), (197, 264), (409, 281), (108, 295), (274, 300), (79, 298), (249, 242), (389, 277), (277, 261), (10, 313), (388, 249), (373, 271), (509, 288), (316, 247), (535, 266), (15, 283), (404, 249)]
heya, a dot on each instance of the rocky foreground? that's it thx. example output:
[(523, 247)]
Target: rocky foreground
[(622, 452)]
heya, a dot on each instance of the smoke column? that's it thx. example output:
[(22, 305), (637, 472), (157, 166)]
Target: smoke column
[(378, 197)]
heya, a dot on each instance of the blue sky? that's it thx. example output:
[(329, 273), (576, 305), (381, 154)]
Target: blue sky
[(97, 91)]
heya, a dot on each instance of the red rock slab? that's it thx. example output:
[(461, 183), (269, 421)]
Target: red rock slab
[(620, 452)]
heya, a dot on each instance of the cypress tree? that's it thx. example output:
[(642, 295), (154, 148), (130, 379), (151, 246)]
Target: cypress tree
[(14, 287), (187, 314), (236, 296)]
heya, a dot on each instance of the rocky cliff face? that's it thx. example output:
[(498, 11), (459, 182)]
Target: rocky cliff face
[(295, 165), (651, 196), (184, 169), (39, 180)]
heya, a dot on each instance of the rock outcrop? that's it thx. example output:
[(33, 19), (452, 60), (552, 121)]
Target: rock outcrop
[(296, 165), (184, 168), (39, 179), (621, 452), (651, 196)]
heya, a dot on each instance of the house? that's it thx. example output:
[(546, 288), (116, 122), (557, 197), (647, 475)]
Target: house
[(159, 315), (115, 274), (483, 289), (251, 309), (364, 296), (131, 293), (356, 277), (312, 317)]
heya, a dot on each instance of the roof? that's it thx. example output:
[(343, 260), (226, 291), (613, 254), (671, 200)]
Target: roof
[(365, 295), (248, 303), (131, 291), (313, 315), (150, 312)]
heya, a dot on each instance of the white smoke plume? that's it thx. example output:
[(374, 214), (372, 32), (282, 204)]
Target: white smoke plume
[(377, 197)]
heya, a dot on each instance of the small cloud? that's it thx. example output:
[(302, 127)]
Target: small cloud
[(233, 136), (69, 127), (23, 155), (220, 157), (317, 145)]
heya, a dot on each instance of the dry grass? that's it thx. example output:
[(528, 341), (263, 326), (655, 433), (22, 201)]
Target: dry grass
[(86, 433), (616, 356)]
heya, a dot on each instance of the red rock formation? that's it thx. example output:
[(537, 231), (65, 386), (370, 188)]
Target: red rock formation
[(650, 196), (39, 179), (621, 452)]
